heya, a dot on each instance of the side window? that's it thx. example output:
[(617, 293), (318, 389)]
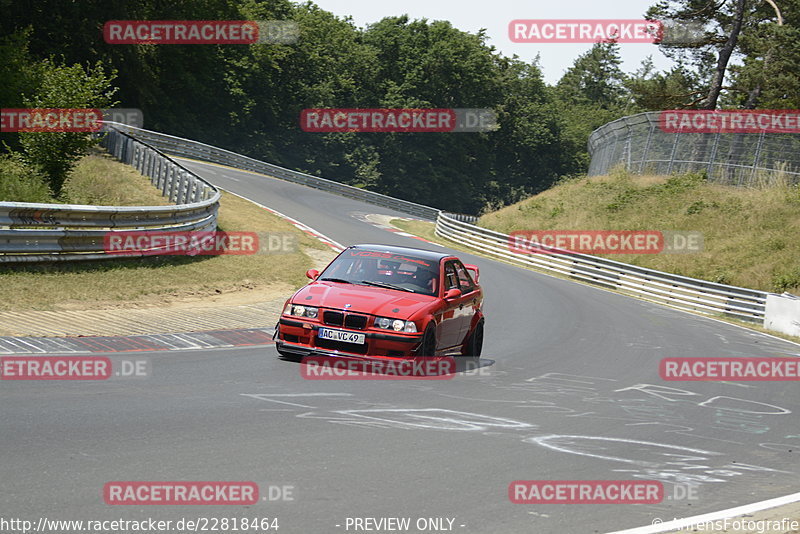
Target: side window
[(465, 283), (451, 279)]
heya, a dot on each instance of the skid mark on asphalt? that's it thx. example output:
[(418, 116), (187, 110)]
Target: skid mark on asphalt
[(671, 412), (437, 419), (654, 461), (270, 397)]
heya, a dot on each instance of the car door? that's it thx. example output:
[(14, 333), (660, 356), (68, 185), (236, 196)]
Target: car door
[(469, 302), (449, 329)]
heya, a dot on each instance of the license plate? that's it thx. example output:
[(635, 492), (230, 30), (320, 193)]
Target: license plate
[(341, 335)]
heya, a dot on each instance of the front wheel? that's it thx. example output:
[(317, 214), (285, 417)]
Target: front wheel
[(427, 347), (474, 344)]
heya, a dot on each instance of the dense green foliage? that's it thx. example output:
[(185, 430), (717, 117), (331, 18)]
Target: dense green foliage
[(55, 153), (248, 98), (20, 182), (39, 163)]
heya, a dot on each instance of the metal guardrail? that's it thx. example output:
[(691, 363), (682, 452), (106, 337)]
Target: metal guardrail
[(32, 232), (193, 149), (674, 290), (183, 186), (741, 159)]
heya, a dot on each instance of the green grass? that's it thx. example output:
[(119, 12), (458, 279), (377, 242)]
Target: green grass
[(99, 179), (20, 183), (751, 236), (153, 280)]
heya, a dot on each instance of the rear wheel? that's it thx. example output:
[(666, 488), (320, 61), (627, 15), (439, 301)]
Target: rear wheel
[(474, 344)]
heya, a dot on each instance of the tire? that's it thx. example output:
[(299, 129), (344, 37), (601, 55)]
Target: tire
[(427, 348), (285, 355), (474, 344)]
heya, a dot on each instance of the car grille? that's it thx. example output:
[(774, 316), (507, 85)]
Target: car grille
[(333, 318), (350, 320), (355, 321)]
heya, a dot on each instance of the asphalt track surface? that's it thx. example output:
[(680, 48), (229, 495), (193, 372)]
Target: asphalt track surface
[(567, 389)]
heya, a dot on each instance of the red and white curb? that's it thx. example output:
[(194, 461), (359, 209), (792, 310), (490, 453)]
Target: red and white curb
[(212, 339), (376, 220)]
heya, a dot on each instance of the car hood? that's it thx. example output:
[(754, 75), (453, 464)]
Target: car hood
[(362, 299)]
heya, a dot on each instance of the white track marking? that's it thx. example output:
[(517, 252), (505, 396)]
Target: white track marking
[(678, 524), (338, 247)]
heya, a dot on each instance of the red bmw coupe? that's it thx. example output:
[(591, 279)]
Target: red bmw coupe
[(381, 301)]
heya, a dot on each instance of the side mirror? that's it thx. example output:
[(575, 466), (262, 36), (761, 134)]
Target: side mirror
[(452, 293), (312, 273), (473, 271)]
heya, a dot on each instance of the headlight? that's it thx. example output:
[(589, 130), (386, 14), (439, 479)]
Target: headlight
[(301, 311), (398, 325)]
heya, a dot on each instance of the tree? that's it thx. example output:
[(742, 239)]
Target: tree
[(591, 93), (20, 74), (55, 153), (711, 50), (769, 75), (595, 78), (651, 90)]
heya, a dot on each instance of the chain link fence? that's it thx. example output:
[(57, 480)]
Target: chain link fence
[(740, 159)]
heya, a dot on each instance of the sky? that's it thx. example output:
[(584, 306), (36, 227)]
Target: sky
[(494, 16)]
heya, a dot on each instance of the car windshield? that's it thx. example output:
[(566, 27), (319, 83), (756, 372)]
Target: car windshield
[(384, 269)]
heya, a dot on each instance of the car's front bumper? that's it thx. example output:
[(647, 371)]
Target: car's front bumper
[(299, 338)]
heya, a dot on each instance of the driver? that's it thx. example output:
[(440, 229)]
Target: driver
[(427, 280), (391, 267)]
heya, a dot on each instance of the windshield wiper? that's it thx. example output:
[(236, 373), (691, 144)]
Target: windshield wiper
[(342, 280), (387, 286)]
